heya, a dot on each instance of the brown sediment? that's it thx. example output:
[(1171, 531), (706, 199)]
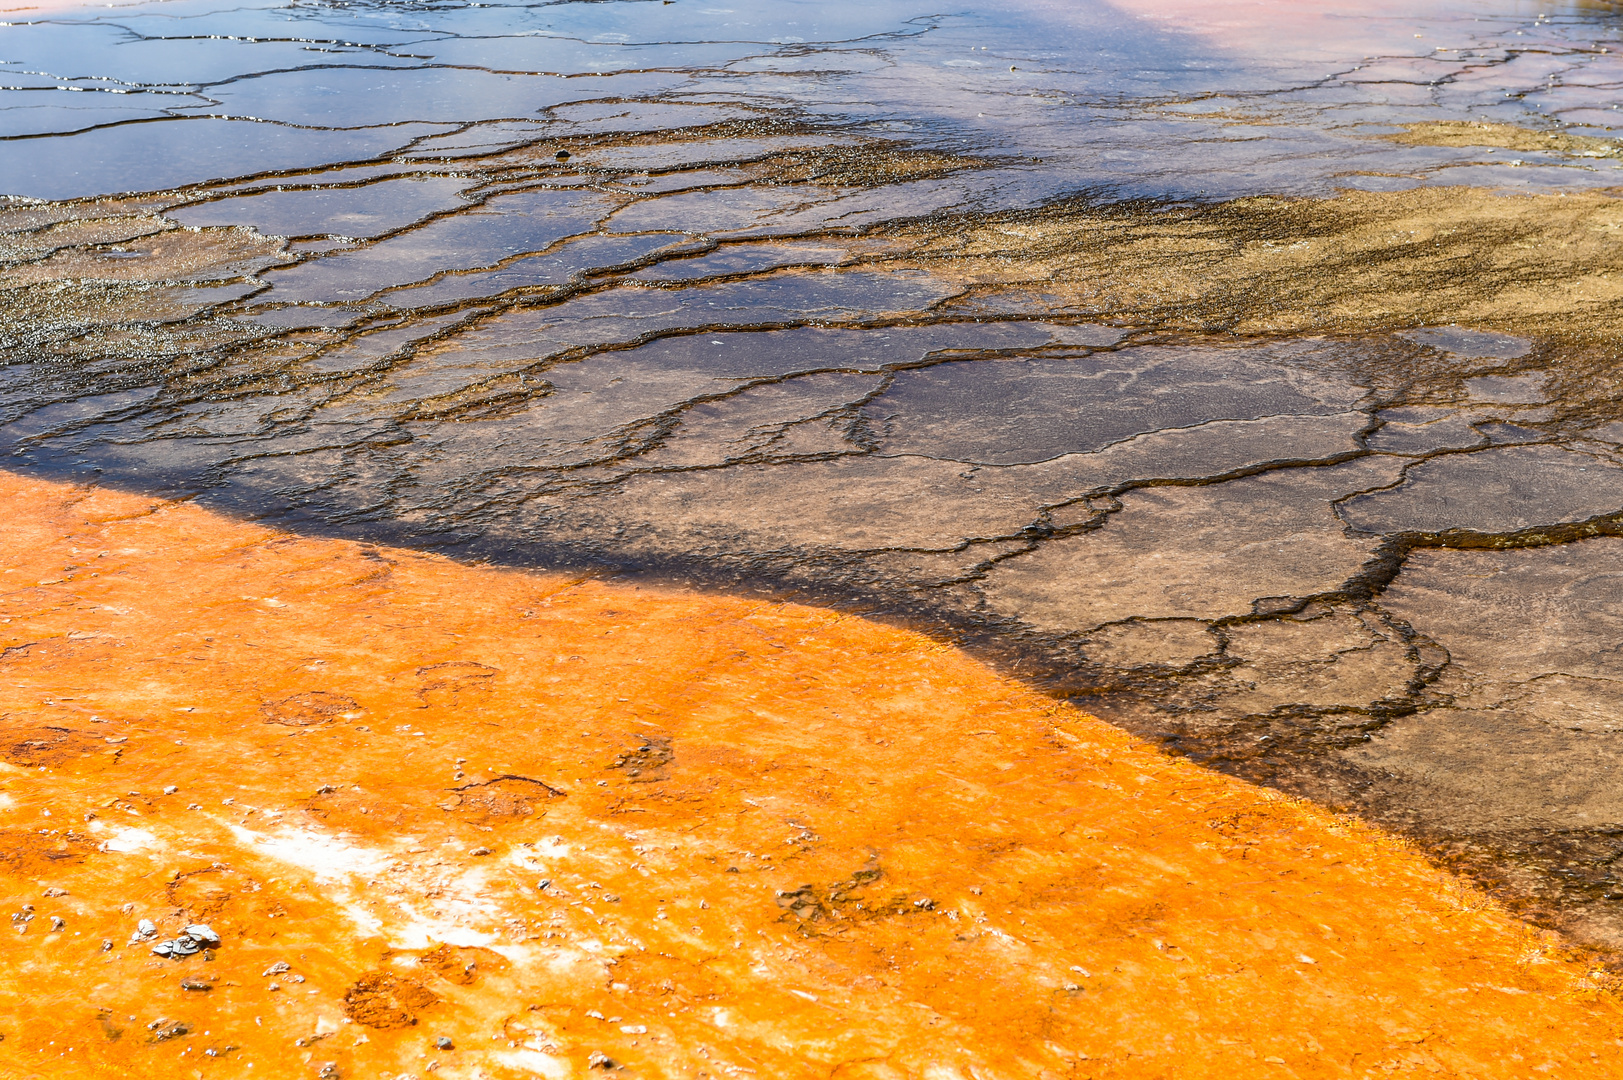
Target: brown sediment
[(775, 841), (1505, 137), (1361, 262)]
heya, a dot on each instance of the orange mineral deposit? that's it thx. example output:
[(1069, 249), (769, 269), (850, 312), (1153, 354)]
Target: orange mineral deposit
[(484, 823)]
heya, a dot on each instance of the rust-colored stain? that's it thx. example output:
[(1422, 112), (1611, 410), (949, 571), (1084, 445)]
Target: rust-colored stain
[(485, 823)]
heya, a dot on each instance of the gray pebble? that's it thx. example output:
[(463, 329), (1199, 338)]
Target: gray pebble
[(203, 934), (443, 1042)]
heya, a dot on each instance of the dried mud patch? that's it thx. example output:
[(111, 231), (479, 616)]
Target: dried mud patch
[(309, 708), (46, 745), (44, 851), (383, 999)]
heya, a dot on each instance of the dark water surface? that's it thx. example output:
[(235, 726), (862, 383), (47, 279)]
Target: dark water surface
[(616, 285)]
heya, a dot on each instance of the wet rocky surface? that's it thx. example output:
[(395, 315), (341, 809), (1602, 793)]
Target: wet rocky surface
[(1323, 492)]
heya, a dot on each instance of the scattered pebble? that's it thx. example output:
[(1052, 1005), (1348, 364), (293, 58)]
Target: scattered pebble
[(191, 941), (191, 983), (52, 893), (541, 886), (443, 1042), (562, 155), (170, 790), (275, 969), (596, 1060), (57, 924), (480, 851), (203, 935), (106, 945)]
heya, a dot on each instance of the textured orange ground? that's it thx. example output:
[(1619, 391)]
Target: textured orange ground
[(780, 843)]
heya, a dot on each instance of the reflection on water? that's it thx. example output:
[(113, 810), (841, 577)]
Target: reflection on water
[(1036, 325), (1124, 98)]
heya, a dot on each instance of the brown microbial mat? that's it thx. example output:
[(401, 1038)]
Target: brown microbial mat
[(423, 818)]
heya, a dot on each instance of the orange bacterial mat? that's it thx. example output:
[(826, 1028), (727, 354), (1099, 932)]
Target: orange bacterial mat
[(480, 823)]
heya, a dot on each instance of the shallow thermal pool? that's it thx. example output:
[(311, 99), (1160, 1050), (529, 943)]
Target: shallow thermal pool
[(1245, 375)]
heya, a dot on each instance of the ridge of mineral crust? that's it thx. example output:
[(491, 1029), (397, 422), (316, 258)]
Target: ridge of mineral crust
[(502, 824)]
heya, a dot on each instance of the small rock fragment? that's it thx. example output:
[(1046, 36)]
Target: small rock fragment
[(203, 935), (106, 945), (276, 968), (443, 1043), (597, 1060), (52, 893), (192, 983), (541, 886), (57, 923), (480, 851), (170, 790)]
